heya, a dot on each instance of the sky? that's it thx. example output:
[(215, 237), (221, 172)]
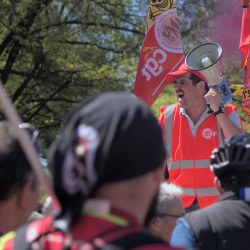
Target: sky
[(227, 28)]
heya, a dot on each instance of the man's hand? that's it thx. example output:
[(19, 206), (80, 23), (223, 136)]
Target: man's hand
[(228, 127), (214, 98)]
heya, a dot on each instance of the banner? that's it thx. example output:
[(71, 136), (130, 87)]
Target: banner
[(236, 89), (244, 47), (161, 53), (246, 89), (245, 32), (155, 9)]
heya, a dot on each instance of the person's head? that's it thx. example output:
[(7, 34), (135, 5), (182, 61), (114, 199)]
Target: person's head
[(196, 79), (18, 184), (189, 85), (109, 139), (230, 163), (169, 209)]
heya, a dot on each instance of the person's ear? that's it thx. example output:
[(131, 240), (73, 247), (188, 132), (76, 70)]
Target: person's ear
[(155, 225), (218, 185), (159, 174), (201, 85), (23, 196)]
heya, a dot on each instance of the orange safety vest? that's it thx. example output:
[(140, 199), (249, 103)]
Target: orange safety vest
[(188, 158)]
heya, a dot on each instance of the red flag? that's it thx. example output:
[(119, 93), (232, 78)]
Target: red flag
[(246, 89), (245, 33), (161, 53), (244, 47)]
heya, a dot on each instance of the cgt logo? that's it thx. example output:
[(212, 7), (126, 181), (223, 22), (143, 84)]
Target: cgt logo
[(152, 66), (207, 133)]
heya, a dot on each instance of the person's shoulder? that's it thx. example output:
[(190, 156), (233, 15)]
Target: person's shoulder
[(7, 241), (182, 235), (163, 109), (26, 233), (134, 238), (198, 214), (199, 219)]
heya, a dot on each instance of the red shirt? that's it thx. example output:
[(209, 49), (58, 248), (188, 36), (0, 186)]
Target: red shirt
[(92, 227)]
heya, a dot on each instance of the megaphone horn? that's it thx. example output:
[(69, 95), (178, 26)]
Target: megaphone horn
[(205, 59)]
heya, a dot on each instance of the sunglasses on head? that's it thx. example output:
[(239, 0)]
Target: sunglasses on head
[(31, 130)]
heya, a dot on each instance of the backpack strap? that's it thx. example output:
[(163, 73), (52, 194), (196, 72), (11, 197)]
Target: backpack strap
[(20, 242), (32, 232)]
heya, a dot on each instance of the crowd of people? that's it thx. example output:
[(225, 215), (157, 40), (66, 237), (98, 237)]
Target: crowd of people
[(108, 167)]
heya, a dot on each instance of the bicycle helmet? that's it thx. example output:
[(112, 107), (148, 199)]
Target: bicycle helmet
[(230, 162)]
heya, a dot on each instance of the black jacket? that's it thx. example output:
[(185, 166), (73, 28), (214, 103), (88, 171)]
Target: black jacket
[(223, 225)]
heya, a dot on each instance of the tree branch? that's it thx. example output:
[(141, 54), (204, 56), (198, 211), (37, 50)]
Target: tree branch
[(25, 25), (77, 22), (26, 81), (50, 98)]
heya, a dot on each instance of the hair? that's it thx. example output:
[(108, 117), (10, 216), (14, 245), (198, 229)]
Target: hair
[(195, 79), (242, 180), (15, 169), (167, 197)]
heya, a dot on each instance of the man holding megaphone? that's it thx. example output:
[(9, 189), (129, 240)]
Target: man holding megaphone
[(196, 125)]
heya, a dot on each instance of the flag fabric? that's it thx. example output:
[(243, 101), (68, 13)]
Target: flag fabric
[(246, 89), (245, 35), (155, 9), (236, 89), (245, 64), (161, 51)]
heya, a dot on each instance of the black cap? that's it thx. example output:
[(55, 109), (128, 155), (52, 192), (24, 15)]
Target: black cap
[(109, 137)]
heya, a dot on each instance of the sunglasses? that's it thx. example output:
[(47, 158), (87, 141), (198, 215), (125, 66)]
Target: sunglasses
[(171, 215), (31, 130)]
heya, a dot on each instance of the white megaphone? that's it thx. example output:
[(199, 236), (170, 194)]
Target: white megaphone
[(205, 59)]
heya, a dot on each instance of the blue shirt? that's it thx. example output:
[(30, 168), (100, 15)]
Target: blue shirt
[(182, 235)]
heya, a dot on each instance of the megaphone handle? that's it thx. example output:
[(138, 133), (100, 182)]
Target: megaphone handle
[(208, 104)]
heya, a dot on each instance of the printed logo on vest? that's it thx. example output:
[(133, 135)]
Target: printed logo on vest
[(207, 133)]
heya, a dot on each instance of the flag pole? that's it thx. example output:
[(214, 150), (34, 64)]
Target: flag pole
[(23, 139)]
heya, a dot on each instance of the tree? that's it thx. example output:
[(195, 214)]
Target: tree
[(55, 53)]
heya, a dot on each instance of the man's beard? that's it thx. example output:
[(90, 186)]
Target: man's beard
[(152, 210)]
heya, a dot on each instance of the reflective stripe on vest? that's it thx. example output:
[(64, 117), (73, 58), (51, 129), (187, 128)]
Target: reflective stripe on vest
[(188, 164), (168, 133), (201, 192), (188, 191)]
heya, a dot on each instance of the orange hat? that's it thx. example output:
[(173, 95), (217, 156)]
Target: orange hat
[(170, 77)]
